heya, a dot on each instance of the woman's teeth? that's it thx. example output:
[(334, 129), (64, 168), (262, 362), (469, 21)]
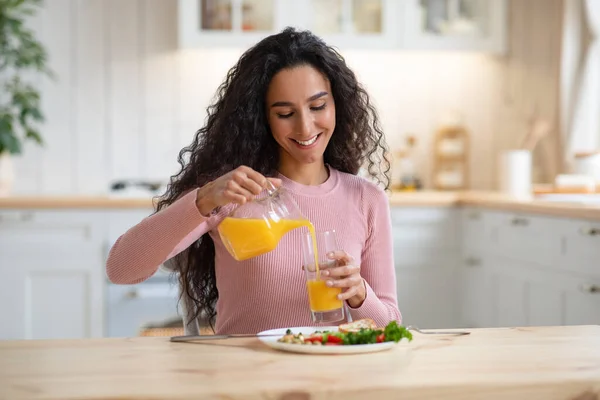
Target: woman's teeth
[(308, 142)]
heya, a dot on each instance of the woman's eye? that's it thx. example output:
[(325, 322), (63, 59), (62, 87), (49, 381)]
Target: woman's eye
[(318, 108), (285, 115)]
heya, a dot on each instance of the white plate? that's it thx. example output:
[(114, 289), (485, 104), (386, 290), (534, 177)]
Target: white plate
[(272, 341)]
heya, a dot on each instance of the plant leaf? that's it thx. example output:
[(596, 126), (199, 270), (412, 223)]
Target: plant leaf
[(8, 140), (20, 50), (34, 135)]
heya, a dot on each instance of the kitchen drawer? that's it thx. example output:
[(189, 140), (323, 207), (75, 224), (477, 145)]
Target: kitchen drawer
[(581, 251), (413, 258), (525, 237), (425, 227), (40, 231), (543, 297)]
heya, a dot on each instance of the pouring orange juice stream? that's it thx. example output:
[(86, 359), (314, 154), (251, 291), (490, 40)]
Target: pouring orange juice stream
[(249, 237)]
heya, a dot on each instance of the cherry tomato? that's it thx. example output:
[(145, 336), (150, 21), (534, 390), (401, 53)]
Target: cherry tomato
[(313, 339), (380, 338), (334, 339)]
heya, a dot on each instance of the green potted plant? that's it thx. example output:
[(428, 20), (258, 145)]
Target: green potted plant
[(20, 111)]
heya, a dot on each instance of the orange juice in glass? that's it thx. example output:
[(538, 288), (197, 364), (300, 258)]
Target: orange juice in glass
[(323, 302)]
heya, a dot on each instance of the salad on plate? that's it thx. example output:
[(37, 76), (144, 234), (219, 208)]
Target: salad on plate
[(359, 332)]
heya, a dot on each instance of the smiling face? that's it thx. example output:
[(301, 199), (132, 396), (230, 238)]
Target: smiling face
[(301, 114)]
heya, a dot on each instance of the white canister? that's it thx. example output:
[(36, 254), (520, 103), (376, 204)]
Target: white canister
[(588, 164), (515, 173)]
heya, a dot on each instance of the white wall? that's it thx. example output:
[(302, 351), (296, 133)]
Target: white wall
[(127, 99)]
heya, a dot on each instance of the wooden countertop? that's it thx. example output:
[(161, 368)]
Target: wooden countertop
[(485, 199), (497, 201), (74, 202), (512, 363)]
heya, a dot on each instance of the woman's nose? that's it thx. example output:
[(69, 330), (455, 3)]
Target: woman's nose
[(305, 123)]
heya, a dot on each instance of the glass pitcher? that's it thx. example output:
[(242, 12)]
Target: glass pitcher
[(257, 227)]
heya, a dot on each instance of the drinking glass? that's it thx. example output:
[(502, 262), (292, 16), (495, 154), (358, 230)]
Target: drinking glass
[(324, 305)]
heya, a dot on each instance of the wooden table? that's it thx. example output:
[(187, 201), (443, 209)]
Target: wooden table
[(504, 363)]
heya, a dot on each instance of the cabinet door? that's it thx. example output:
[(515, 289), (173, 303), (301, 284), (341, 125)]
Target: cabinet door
[(427, 296), (508, 297), (425, 253), (52, 272), (581, 251), (471, 25), (563, 299), (529, 238), (526, 294), (475, 301), (237, 23), (352, 24)]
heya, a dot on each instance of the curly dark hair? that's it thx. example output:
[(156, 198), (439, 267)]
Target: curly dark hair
[(238, 116)]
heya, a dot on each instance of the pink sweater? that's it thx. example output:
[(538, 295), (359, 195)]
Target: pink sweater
[(269, 291)]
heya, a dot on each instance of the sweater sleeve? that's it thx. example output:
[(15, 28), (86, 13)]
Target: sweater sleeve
[(377, 265), (139, 252)]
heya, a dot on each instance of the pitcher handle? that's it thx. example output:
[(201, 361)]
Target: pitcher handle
[(271, 188)]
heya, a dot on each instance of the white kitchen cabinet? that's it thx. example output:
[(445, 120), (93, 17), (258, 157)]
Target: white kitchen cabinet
[(426, 248), (526, 295), (242, 23), (469, 267), (352, 24), (52, 274), (529, 270), (457, 25), (454, 25), (232, 23), (52, 264)]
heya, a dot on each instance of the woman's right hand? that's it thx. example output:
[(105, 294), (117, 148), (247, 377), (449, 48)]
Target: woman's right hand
[(237, 186)]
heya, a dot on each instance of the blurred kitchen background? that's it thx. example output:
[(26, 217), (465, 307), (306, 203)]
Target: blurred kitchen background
[(496, 97)]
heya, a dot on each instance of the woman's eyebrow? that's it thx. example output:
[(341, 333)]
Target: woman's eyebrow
[(289, 104)]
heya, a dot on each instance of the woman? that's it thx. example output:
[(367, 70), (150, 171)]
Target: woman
[(292, 112)]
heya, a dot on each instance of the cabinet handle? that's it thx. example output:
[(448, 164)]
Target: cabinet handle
[(474, 215), (590, 288), (590, 231), (151, 292), (517, 221), (473, 262)]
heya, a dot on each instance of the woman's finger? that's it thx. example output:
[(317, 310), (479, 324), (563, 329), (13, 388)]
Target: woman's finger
[(351, 292), (342, 271), (245, 181), (346, 282), (341, 257), (234, 187), (234, 197)]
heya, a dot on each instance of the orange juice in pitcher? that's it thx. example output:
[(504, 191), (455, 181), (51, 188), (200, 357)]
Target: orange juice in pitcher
[(245, 238), (257, 227)]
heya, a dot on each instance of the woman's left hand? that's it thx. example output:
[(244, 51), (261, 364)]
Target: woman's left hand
[(346, 275)]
